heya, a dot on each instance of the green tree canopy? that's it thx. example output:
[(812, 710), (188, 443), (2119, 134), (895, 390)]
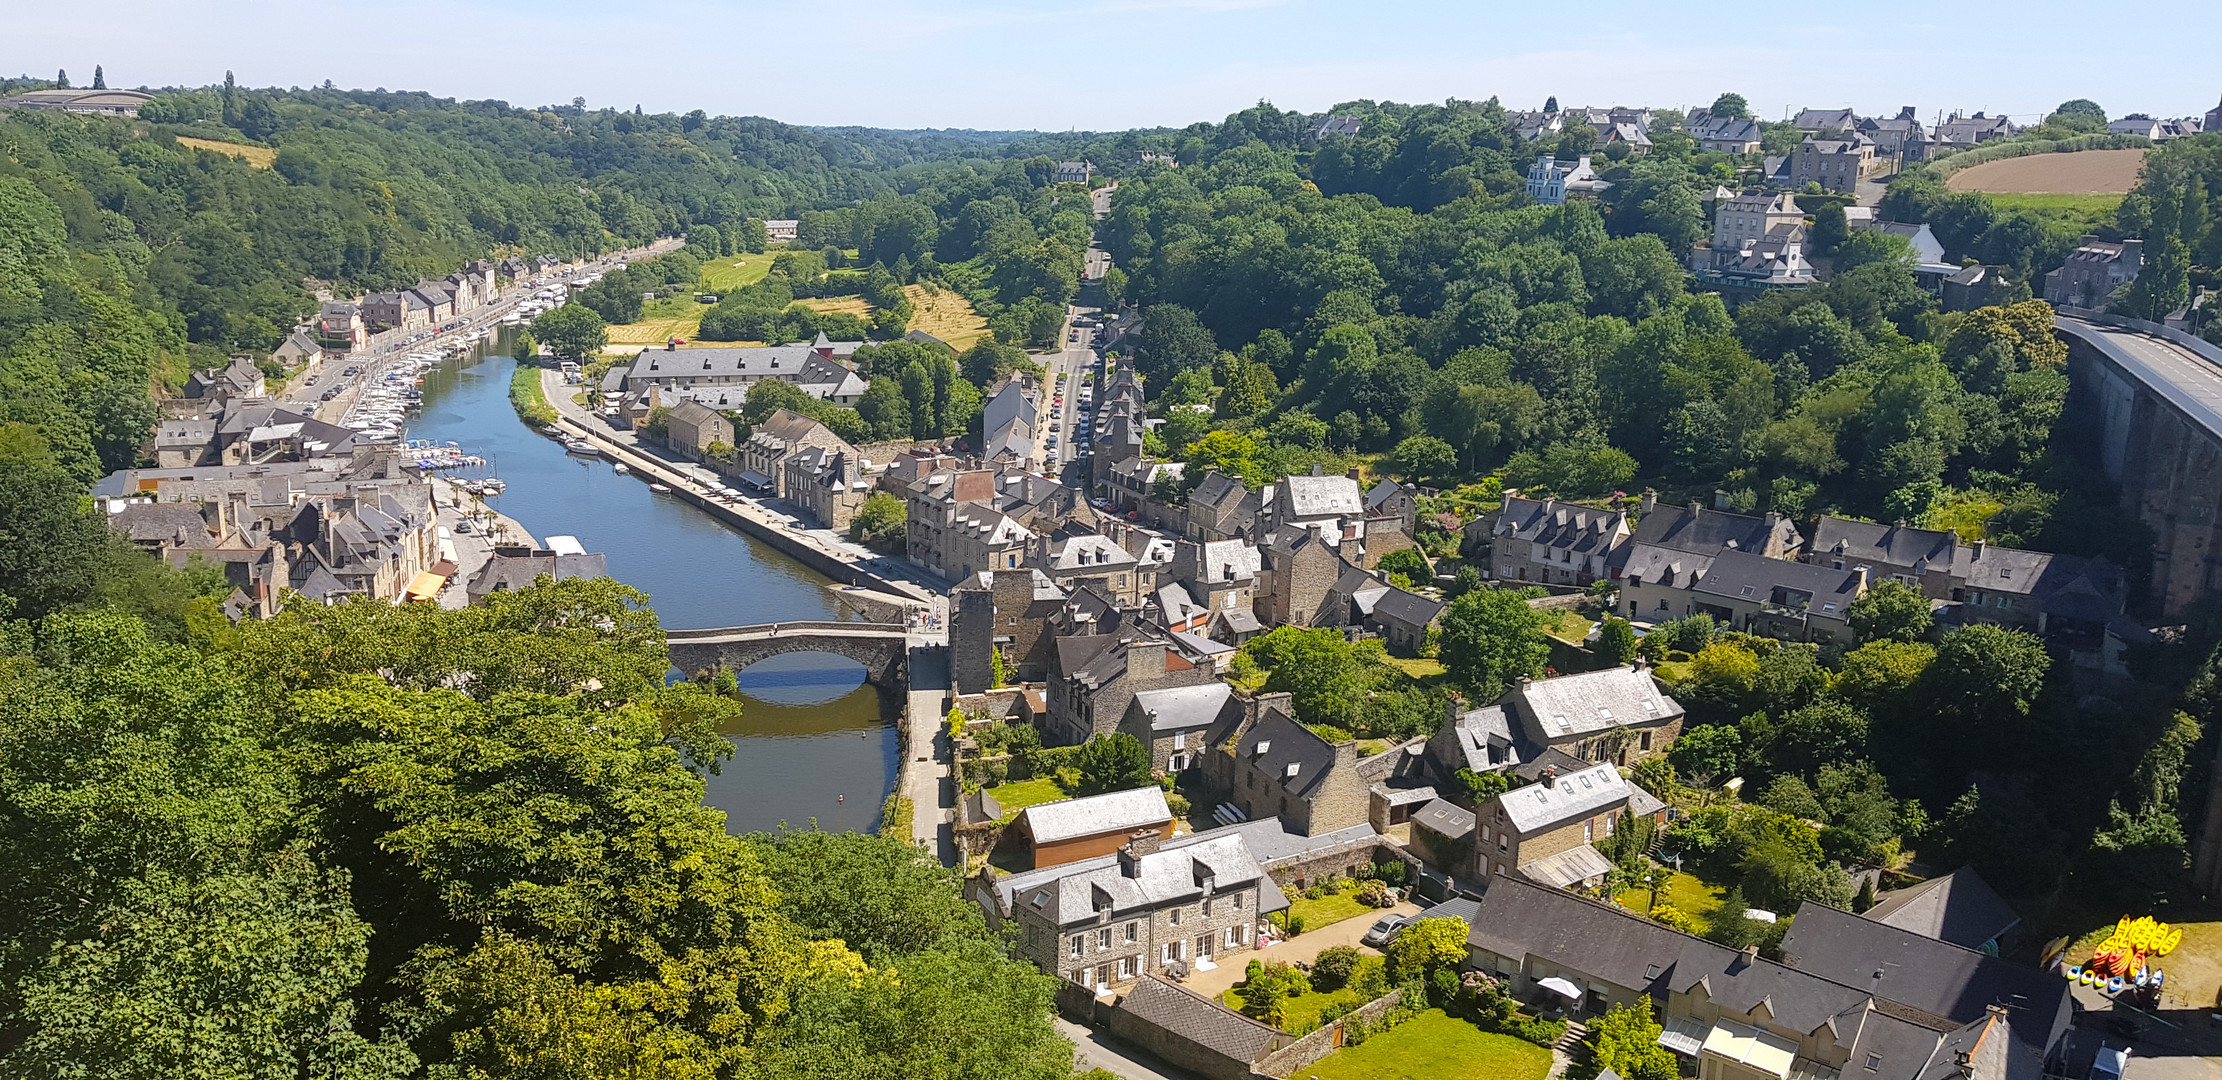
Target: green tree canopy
[(1491, 637)]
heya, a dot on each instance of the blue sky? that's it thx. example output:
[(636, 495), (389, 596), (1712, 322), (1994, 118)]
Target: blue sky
[(1106, 64)]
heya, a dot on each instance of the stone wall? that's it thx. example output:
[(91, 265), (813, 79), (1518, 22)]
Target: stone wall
[(1296, 1055), (1342, 860)]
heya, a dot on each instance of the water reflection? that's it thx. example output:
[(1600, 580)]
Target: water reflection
[(814, 740)]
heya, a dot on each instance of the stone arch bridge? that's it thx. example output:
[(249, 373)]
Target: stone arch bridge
[(883, 648)]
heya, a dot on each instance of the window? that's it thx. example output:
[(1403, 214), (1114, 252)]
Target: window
[(1207, 907), (1126, 967), (1235, 936), (1173, 917), (1589, 830), (1103, 939), (1874, 1062), (1643, 740), (1174, 951), (1180, 740), (1132, 932), (1079, 944), (1500, 843), (1651, 972)]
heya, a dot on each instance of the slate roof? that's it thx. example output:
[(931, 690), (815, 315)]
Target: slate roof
[(1932, 975), (1739, 575), (1443, 818), (1669, 532), (1381, 493), (1899, 545), (1592, 701), (1817, 119), (1292, 754), (1088, 551), (1959, 907), (1229, 560), (1074, 892), (162, 523), (1570, 797), (1474, 732), (1561, 526), (1200, 1020), (174, 434), (1321, 496), (1408, 608), (519, 571), (798, 364), (1176, 708), (1115, 811)]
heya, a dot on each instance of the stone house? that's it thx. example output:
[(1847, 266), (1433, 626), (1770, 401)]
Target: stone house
[(518, 567), (1899, 140), (691, 428), (1621, 715), (1154, 905), (1298, 569), (1392, 506), (1093, 677), (763, 455), (1443, 835), (2093, 271), (1791, 601), (339, 325), (1549, 541), (1019, 606), (1075, 559), (298, 350), (1069, 830), (1192, 1032), (1837, 165), (1403, 619), (1180, 723), (180, 444), (1754, 215), (1967, 132), (1671, 543), (1815, 121), (1726, 135), (826, 485), (1546, 831), (1222, 575), (239, 380), (1280, 768), (1221, 508), (1551, 183), (1920, 559), (1731, 1015)]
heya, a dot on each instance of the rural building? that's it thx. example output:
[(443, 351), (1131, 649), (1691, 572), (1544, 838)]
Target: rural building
[(85, 102), (1546, 831), (1552, 183), (1549, 541), (691, 428), (2093, 271), (1069, 830)]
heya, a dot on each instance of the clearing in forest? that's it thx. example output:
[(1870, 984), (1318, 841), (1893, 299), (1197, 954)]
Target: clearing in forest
[(260, 157), (2083, 172), (945, 315)]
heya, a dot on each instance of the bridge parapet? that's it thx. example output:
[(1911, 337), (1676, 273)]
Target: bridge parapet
[(883, 648)]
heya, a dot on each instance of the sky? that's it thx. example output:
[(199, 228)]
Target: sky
[(1114, 64)]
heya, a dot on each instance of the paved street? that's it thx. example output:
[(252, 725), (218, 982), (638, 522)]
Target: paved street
[(925, 768)]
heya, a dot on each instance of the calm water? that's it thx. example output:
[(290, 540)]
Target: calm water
[(814, 742)]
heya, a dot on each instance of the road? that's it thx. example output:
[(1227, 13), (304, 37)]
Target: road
[(307, 389), (1096, 1050)]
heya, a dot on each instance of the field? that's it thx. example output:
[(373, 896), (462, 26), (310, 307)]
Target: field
[(2058, 202), (721, 275), (851, 305), (260, 157), (1434, 1046), (660, 321), (2087, 172), (945, 315)]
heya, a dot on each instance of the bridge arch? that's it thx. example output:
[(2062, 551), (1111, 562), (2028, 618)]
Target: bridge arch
[(883, 648)]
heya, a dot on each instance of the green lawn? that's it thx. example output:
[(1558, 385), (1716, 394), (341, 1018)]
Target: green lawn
[(1416, 667), (1328, 910), (1434, 1046), (735, 271), (1300, 1014), (2079, 203), (1684, 892), (1569, 626), (1020, 794)]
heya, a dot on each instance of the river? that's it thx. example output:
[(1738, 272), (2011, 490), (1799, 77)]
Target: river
[(814, 741)]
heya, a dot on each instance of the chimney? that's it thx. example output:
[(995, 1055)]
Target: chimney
[(1751, 953), (1141, 842), (1720, 499), (1353, 473), (1978, 549), (1773, 519), (1454, 707), (1650, 500), (1696, 508), (1316, 471), (1550, 776)]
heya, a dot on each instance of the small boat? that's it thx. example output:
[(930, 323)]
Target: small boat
[(622, 468), (660, 489), (582, 448)]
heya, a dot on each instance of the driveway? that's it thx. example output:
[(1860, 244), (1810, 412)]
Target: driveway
[(1305, 947), (1096, 1050)]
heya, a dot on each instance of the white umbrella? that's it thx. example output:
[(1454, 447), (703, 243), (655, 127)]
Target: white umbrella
[(1561, 987)]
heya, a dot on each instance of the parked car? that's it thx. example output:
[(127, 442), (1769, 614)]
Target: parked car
[(2110, 1063), (1379, 934)]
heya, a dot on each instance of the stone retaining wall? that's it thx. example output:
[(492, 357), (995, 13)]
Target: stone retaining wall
[(1323, 1042)]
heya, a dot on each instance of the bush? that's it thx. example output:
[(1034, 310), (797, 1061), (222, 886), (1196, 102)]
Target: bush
[(1178, 804), (1375, 894), (1391, 872), (1335, 967), (1537, 1030)]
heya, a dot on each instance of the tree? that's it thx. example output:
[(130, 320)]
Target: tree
[(52, 549), (2079, 114), (1491, 637), (100, 78), (753, 238), (1708, 755), (1616, 640), (1427, 946), (882, 517), (1114, 762), (1267, 988), (1424, 459), (524, 348), (61, 79), (1890, 611), (1987, 677), (571, 331), (1233, 454), (1730, 107), (1409, 562), (1315, 666), (1171, 341), (707, 240), (1334, 966), (1626, 1041)]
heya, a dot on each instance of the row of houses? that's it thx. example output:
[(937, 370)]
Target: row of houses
[(1760, 573), (348, 324)]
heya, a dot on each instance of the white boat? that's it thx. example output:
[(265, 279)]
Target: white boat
[(582, 448), (660, 489), (621, 468)]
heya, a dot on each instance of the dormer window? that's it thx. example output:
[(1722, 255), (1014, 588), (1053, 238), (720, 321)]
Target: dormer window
[(1874, 1062), (1292, 770)]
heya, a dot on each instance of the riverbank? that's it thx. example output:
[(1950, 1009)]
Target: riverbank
[(821, 553)]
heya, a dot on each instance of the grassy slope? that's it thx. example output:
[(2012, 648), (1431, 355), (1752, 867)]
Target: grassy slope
[(1433, 1046)]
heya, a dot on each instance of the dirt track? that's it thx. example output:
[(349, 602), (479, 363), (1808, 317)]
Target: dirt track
[(2086, 172)]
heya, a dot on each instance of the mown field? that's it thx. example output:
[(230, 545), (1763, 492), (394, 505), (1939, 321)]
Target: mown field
[(260, 157), (2085, 172)]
